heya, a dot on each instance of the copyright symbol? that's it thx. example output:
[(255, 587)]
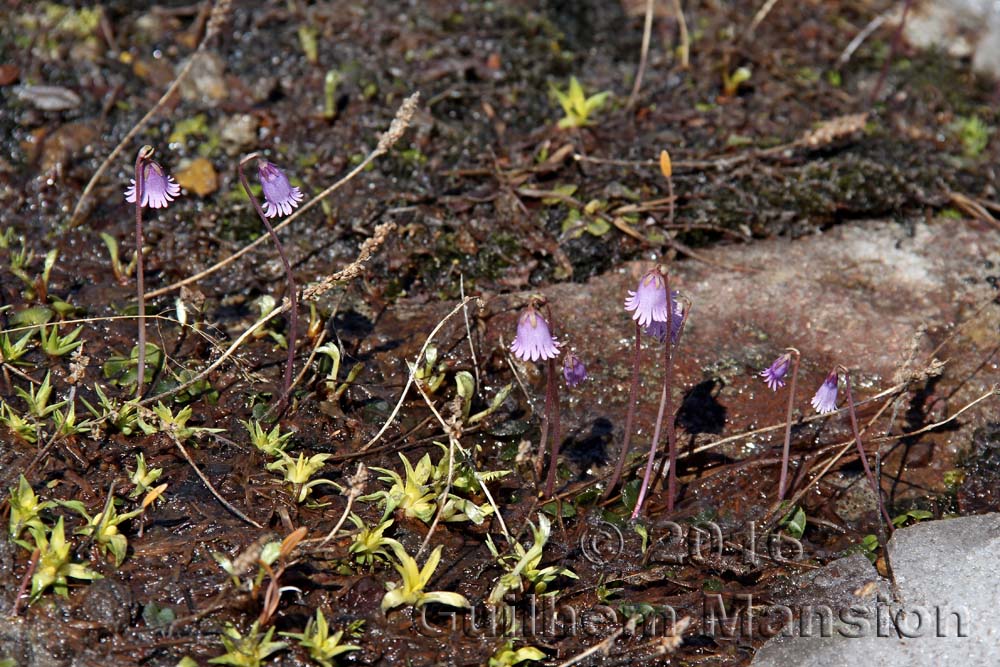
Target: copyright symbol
[(602, 543)]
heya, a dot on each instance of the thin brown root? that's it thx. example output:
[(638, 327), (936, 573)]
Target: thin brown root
[(225, 503)]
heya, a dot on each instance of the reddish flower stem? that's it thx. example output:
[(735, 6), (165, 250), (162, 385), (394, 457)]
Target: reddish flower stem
[(633, 394), (293, 314), (667, 407), (22, 591), (140, 187), (861, 450), (553, 382), (783, 480)]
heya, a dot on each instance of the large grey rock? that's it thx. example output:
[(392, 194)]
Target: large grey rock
[(945, 610), (963, 28)]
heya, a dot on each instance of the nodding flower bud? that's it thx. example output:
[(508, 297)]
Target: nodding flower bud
[(573, 370), (825, 399), (649, 300), (774, 375), (658, 329), (279, 195), (533, 341), (158, 188)]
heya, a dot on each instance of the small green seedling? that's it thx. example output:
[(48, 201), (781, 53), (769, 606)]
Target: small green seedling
[(66, 424), (869, 547), (120, 271), (731, 81), (413, 495), (911, 517), (41, 286), (576, 106), (522, 566), (174, 425), (11, 353), (55, 345), (271, 442), (411, 590), (795, 523), (25, 429), (430, 374), (25, 508), (123, 371), (143, 478), (370, 541), (124, 416), (54, 568), (330, 83), (334, 388), (38, 399), (266, 305), (104, 529), (973, 133), (506, 656), (465, 477), (19, 260), (321, 645), (298, 472), (247, 651)]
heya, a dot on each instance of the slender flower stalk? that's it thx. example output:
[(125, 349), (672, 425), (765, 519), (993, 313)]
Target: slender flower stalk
[(534, 342), (648, 304), (876, 488), (667, 409), (140, 288), (550, 481), (774, 376), (154, 188), (279, 199), (633, 395)]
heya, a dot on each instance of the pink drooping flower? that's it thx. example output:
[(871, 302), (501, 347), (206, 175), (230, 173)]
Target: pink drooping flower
[(158, 188), (825, 399), (649, 300), (279, 195), (534, 341), (774, 375)]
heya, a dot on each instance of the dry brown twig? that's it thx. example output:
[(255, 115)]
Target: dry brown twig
[(647, 30), (760, 16), (355, 488), (835, 129), (412, 373)]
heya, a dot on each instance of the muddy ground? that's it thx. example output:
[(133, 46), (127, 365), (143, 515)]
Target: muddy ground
[(489, 198)]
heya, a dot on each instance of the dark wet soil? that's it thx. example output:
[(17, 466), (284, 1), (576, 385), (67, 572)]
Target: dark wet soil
[(467, 189)]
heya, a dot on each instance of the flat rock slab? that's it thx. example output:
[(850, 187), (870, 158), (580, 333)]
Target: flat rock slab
[(944, 613), (870, 295)]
